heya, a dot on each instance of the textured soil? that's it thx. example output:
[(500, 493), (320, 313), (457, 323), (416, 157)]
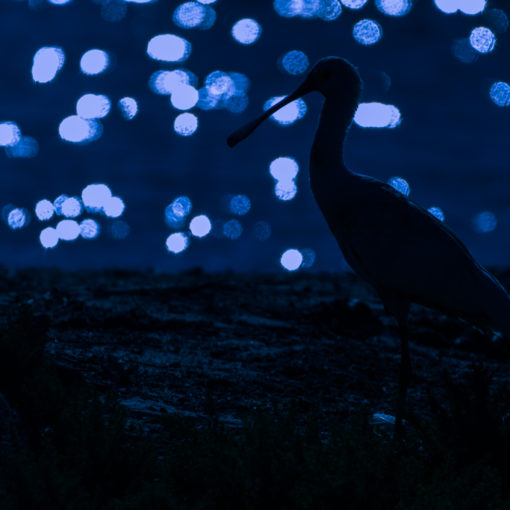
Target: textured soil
[(186, 342)]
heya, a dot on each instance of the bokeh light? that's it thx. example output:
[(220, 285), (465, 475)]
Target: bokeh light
[(128, 107), (177, 242), (10, 134), (232, 229), (485, 222), (44, 210), (17, 218), (89, 229), (71, 207), (93, 106), (240, 204), (470, 7), (498, 20), (367, 32), (119, 229), (291, 259), (200, 225), (177, 210), (284, 169), (68, 230), (185, 124), (165, 82), (95, 196), (25, 147), (184, 97), (289, 113), (48, 237), (285, 191), (168, 48), (394, 7), (47, 63), (482, 39), (194, 15), (377, 115), (246, 31), (463, 50), (437, 212), (400, 184), (58, 202), (113, 207), (94, 62), (78, 130), (500, 93), (354, 4), (295, 62), (262, 230), (309, 257)]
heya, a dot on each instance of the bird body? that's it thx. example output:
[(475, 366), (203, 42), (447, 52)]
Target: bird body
[(402, 250)]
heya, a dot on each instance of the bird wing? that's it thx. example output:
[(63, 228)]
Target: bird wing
[(403, 250)]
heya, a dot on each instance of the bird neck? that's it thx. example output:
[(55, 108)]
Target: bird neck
[(336, 116)]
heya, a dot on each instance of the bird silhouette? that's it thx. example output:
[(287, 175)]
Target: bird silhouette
[(402, 250)]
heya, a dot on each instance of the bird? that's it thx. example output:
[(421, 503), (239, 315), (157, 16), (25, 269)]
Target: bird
[(403, 251)]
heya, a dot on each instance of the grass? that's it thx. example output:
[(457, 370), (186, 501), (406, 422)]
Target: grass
[(72, 449)]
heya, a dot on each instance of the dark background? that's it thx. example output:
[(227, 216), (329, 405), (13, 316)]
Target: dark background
[(451, 146)]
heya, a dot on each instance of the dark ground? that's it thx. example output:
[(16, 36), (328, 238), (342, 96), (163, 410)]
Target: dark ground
[(237, 342)]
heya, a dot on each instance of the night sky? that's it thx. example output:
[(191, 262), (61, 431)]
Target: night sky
[(128, 162)]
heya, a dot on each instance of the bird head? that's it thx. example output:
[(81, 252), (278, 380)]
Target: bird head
[(331, 76)]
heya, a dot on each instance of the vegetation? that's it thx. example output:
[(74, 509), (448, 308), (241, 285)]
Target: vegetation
[(73, 449)]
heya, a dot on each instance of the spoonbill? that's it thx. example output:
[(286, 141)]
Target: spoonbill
[(397, 246)]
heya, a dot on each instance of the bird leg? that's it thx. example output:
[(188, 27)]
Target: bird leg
[(405, 376)]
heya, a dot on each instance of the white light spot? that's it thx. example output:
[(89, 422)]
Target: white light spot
[(206, 2), (485, 222), (246, 31), (177, 242), (185, 124), (184, 97), (354, 4), (94, 62), (447, 6), (394, 7), (57, 204), (377, 115), (47, 63), (472, 7), (308, 257), (177, 210), (26, 147), (289, 113), (168, 48), (165, 82), (113, 207), (48, 237), (240, 205), (367, 32), (329, 10), (71, 207), (232, 229), (10, 134), (200, 226), (93, 106), (295, 62), (77, 130), (400, 185), (482, 39), (59, 2), (68, 230), (44, 210), (285, 190), (128, 107), (437, 212), (284, 169), (96, 196), (291, 259), (500, 93), (89, 229), (17, 218), (189, 15)]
